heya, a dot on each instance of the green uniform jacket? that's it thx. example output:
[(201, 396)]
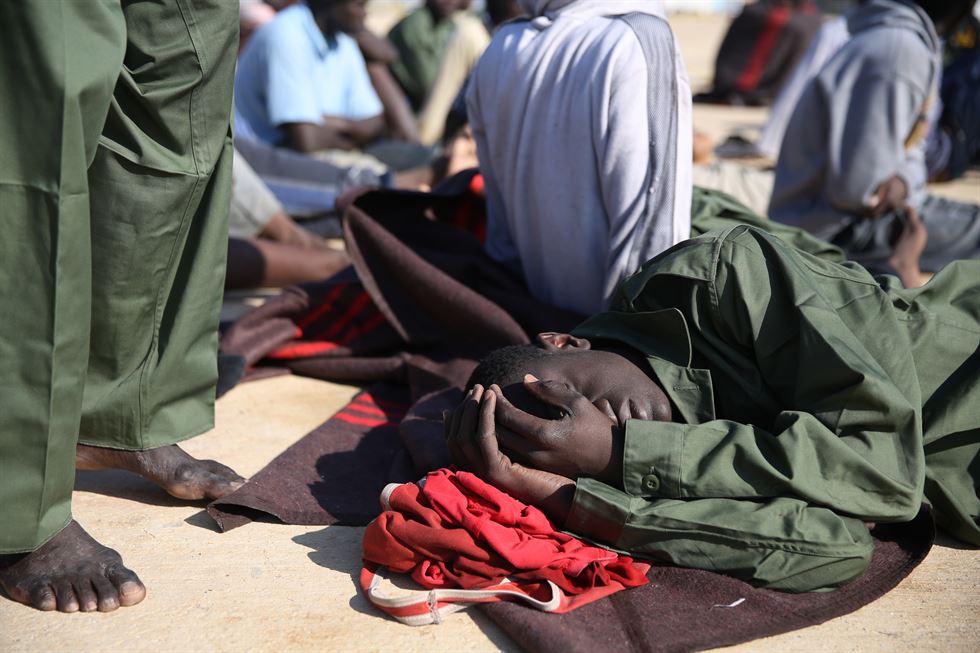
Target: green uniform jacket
[(420, 42), (810, 398)]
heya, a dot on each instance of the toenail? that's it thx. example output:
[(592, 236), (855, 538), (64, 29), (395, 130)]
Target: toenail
[(129, 587)]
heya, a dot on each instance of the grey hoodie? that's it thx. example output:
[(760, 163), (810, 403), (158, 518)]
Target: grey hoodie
[(854, 123)]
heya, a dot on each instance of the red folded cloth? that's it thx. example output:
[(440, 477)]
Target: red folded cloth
[(453, 531)]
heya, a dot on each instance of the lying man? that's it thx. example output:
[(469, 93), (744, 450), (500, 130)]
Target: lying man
[(743, 407)]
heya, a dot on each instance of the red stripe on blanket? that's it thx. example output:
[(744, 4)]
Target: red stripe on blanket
[(344, 319), (367, 327), (326, 340), (301, 350), (364, 421), (325, 305), (367, 410), (764, 45)]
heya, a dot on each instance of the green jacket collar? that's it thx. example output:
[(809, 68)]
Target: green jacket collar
[(663, 337)]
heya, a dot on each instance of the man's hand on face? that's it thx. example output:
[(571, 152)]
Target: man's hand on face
[(471, 435), (582, 441)]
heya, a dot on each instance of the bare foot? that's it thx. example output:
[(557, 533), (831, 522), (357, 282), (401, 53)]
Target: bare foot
[(170, 467), (71, 572), (908, 249)]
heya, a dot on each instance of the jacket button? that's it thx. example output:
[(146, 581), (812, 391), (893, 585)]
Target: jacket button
[(651, 482)]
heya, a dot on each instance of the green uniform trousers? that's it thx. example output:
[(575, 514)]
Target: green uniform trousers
[(115, 176)]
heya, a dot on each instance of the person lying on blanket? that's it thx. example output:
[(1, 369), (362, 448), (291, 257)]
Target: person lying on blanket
[(743, 407)]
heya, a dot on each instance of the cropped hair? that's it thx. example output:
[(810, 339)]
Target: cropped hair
[(506, 365)]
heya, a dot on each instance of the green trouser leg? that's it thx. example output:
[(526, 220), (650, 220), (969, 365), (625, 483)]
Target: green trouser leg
[(160, 188), (58, 65), (145, 226)]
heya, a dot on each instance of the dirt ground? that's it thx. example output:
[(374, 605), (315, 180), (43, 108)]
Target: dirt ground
[(293, 588)]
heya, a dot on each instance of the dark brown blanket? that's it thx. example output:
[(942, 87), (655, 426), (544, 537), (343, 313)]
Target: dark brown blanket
[(690, 610), (425, 304), (334, 474)]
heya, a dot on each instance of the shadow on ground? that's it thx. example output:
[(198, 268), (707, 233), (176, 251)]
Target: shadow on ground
[(126, 485), (338, 548)]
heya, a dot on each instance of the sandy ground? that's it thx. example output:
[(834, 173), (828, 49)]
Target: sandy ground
[(291, 588)]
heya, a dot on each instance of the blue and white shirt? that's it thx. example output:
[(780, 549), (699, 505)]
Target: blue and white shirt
[(289, 72)]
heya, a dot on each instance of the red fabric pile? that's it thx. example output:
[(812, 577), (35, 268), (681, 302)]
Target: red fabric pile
[(458, 532)]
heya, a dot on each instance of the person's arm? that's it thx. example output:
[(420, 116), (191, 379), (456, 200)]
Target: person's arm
[(365, 130), (470, 434), (397, 112), (334, 133), (330, 134), (376, 49), (363, 122), (379, 53), (781, 544), (870, 149)]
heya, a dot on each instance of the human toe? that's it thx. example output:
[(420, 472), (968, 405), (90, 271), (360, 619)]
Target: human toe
[(43, 597), (88, 600), (108, 596), (128, 585)]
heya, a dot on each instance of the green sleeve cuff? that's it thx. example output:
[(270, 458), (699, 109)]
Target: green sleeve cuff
[(598, 512), (652, 459)]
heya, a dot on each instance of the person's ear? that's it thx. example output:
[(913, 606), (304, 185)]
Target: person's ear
[(561, 341)]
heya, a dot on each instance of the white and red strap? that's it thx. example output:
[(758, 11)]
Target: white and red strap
[(420, 607)]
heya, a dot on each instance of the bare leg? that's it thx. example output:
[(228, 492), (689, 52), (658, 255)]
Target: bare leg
[(281, 228), (258, 263), (908, 250)]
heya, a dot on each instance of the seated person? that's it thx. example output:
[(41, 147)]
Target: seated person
[(465, 47), (759, 51), (831, 36), (420, 38), (936, 151), (302, 81), (843, 171), (579, 192), (745, 408)]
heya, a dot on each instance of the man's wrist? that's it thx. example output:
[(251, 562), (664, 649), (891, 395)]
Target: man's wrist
[(550, 493), (612, 473), (558, 504)]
